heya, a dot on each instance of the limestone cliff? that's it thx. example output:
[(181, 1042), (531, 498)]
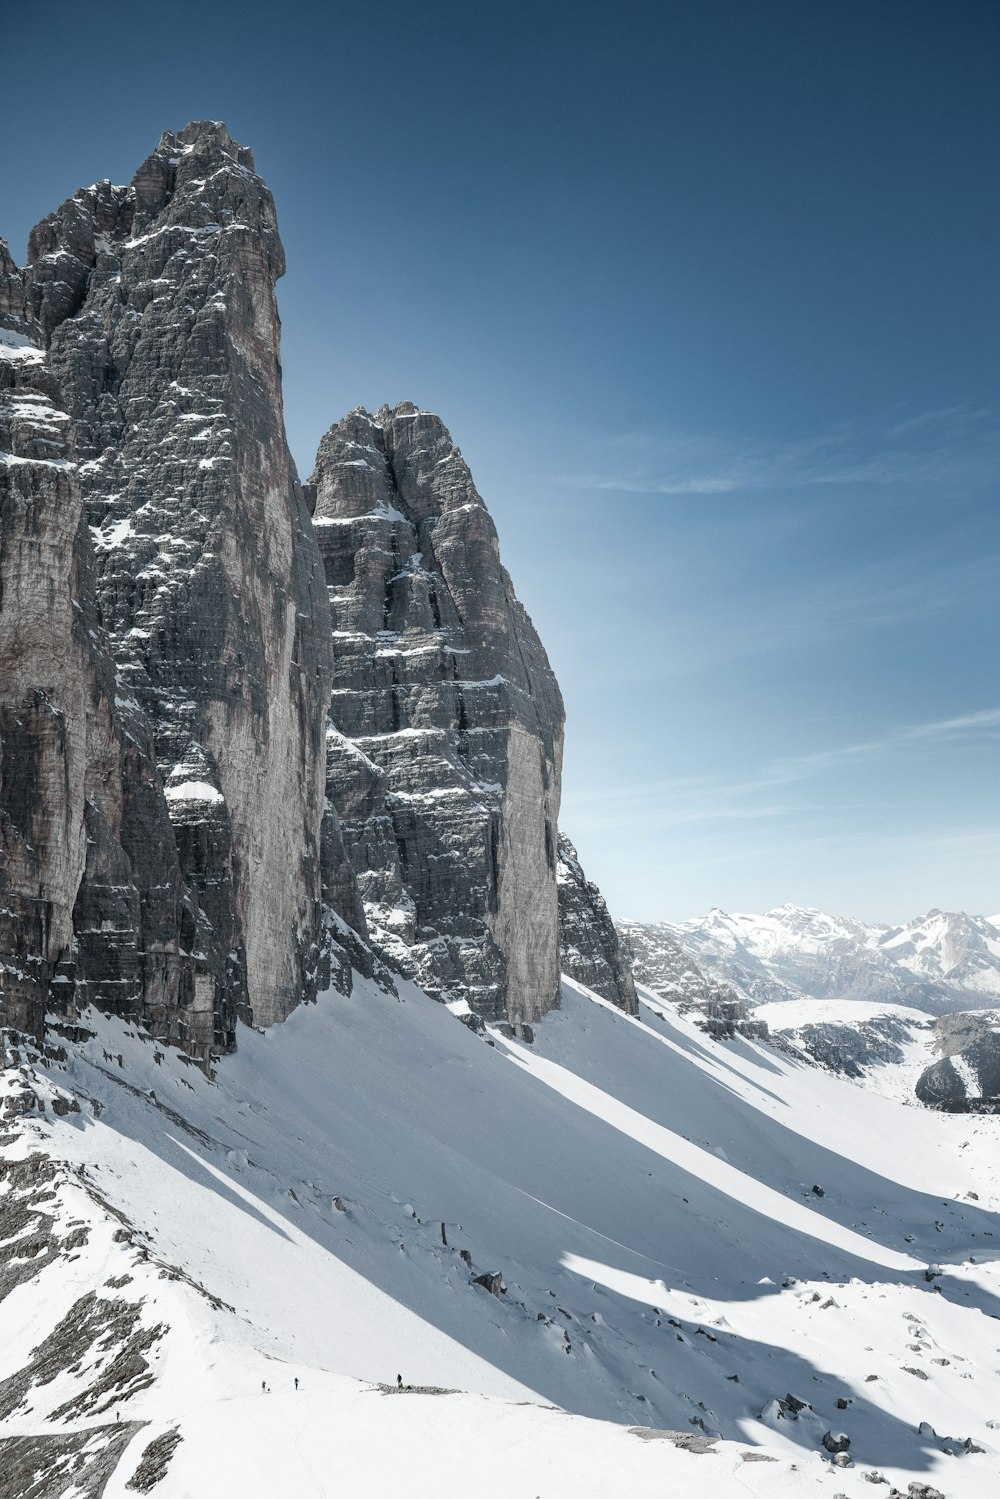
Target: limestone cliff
[(92, 903), (154, 305), (157, 302), (447, 722), (200, 681), (591, 950)]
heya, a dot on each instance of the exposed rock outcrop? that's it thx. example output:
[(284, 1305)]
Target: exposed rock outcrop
[(966, 1078), (590, 948), (155, 306), (446, 753), (92, 904), (195, 687), (659, 963), (727, 1016), (850, 1037)]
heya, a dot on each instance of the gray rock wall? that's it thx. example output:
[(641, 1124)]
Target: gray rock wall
[(590, 947), (165, 631), (44, 674), (226, 747), (446, 756), (157, 302), (92, 904)]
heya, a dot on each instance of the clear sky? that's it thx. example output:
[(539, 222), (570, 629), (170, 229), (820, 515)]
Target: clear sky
[(707, 292)]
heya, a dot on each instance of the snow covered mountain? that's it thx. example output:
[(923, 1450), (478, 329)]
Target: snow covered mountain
[(565, 1250), (289, 754), (960, 952), (937, 963)]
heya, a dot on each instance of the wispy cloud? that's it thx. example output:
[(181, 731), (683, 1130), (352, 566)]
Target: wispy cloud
[(946, 444), (967, 726), (679, 801), (849, 602)]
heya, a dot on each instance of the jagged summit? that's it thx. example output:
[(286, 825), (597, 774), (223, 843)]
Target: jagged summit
[(207, 133), (197, 183), (591, 950), (219, 685), (937, 962), (190, 540), (449, 720)]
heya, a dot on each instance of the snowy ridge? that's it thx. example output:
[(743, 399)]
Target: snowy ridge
[(887, 1047), (321, 1209), (940, 962)]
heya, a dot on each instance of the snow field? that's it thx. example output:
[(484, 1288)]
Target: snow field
[(646, 1194)]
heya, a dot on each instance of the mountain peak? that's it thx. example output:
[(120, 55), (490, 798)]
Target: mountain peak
[(938, 962)]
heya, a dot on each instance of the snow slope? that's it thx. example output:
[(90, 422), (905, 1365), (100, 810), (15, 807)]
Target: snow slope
[(647, 1195)]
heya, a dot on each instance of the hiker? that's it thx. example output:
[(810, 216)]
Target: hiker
[(399, 1381), (296, 1381), (263, 1387)]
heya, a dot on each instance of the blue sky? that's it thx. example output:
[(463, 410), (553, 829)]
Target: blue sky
[(707, 293)]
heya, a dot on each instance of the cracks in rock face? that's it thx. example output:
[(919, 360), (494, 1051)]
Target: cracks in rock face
[(442, 684), (155, 303)]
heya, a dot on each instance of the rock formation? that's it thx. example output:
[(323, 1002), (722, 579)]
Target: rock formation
[(194, 686), (659, 963), (92, 905), (155, 306), (590, 948), (857, 1044), (445, 743), (966, 1077)]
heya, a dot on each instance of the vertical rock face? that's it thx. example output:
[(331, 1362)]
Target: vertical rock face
[(590, 949), (44, 669), (445, 757), (165, 629), (183, 713), (157, 305), (92, 905)]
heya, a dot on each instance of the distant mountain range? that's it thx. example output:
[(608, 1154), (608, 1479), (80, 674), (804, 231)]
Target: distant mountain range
[(938, 963)]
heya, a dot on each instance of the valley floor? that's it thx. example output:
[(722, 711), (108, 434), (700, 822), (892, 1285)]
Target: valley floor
[(688, 1233)]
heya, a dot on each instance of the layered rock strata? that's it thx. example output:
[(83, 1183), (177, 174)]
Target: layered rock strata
[(92, 903), (445, 742), (589, 944), (183, 712), (659, 963), (155, 306)]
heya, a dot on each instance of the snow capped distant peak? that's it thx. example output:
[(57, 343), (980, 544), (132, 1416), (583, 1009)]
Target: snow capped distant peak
[(937, 962)]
